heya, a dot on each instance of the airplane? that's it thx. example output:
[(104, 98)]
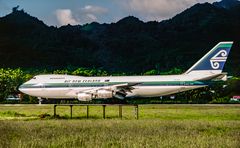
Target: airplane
[(208, 68)]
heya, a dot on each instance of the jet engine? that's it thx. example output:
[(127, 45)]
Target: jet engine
[(104, 94), (84, 96)]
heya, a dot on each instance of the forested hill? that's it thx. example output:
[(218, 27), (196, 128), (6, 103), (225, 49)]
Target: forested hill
[(129, 45)]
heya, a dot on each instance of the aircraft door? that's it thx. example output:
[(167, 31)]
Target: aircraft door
[(182, 86), (42, 86)]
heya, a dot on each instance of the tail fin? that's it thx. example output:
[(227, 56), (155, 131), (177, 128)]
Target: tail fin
[(213, 62)]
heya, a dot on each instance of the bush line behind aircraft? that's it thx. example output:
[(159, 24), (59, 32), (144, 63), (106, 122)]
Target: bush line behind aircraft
[(208, 68)]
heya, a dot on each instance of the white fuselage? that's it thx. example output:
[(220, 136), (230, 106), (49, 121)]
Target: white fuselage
[(67, 86)]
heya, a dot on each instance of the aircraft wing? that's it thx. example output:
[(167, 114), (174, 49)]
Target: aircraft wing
[(119, 89), (126, 87)]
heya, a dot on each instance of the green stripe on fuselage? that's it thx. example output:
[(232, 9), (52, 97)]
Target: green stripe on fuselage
[(101, 84)]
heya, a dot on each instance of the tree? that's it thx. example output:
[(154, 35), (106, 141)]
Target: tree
[(10, 79), (14, 9)]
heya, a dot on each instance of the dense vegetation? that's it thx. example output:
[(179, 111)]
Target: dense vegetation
[(128, 45), (158, 125), (219, 92)]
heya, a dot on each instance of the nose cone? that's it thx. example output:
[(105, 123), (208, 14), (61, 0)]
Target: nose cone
[(22, 88)]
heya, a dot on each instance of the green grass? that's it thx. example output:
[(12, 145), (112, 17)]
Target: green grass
[(158, 126)]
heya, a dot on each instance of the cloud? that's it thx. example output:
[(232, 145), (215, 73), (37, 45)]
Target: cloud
[(83, 15), (65, 17), (94, 9), (91, 17), (90, 13), (158, 9)]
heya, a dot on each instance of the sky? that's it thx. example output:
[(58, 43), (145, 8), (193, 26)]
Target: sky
[(63, 12)]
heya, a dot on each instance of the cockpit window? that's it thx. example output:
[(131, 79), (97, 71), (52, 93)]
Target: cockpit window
[(34, 78)]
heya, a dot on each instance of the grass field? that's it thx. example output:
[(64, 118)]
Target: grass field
[(158, 126)]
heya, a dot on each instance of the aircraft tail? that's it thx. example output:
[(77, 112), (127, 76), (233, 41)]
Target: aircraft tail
[(213, 62)]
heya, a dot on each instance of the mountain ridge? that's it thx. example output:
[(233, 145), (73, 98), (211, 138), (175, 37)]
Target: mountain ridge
[(129, 45), (227, 4)]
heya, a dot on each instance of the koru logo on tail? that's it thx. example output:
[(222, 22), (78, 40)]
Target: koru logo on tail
[(221, 56)]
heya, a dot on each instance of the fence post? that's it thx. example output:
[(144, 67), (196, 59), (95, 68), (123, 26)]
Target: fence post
[(71, 111), (120, 111), (104, 111), (54, 113), (136, 111), (87, 111)]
